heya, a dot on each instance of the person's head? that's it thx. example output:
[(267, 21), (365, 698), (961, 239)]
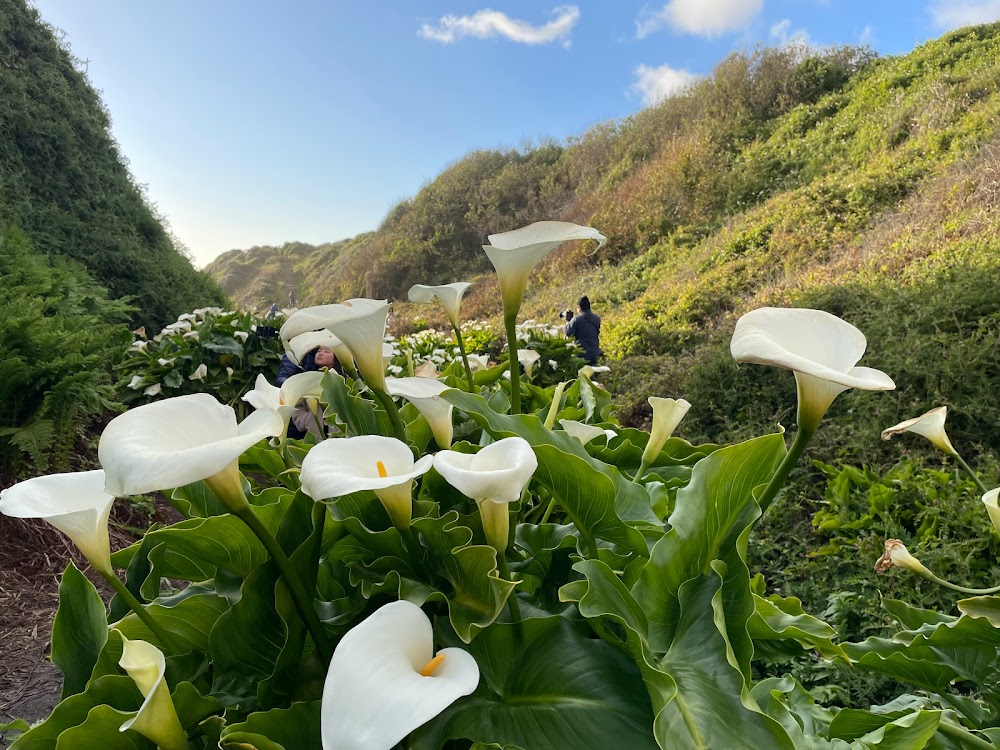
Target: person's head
[(324, 357), (584, 304)]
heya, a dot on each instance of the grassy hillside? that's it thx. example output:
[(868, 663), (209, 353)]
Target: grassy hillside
[(64, 184), (832, 179)]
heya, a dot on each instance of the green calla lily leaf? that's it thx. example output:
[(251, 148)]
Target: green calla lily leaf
[(79, 631)]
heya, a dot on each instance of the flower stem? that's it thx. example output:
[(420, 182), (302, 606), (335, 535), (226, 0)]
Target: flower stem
[(964, 738), (975, 477), (643, 468), (802, 438), (142, 613), (465, 357), (923, 571), (302, 599), (548, 511), (510, 324), (512, 603), (390, 407)]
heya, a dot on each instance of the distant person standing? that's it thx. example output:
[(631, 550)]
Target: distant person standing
[(273, 312), (585, 327)]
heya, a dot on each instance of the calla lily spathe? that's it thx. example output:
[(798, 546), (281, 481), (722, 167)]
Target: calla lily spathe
[(585, 432), (449, 295), (156, 719), (821, 349), (425, 395), (360, 325), (75, 503), (667, 414), (283, 400), (493, 477), (527, 358), (177, 441), (340, 466), (992, 502), (385, 680), (930, 425), (515, 254)]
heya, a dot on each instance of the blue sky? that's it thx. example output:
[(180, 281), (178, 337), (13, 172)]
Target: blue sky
[(252, 122)]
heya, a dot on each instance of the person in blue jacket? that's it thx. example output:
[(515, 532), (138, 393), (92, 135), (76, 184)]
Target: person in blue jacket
[(302, 419), (585, 327)]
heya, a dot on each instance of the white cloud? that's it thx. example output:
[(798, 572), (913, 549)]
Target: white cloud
[(485, 24), (951, 14), (657, 83), (781, 33), (708, 18)]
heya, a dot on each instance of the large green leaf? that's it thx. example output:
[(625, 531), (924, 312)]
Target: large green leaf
[(293, 728), (987, 607), (545, 685), (100, 731), (599, 500), (711, 514), (117, 691), (357, 414), (189, 617), (79, 631), (779, 619)]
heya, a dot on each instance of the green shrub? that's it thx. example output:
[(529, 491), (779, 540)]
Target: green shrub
[(60, 335)]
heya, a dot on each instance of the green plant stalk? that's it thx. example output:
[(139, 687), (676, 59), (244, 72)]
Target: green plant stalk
[(548, 511), (926, 573), (510, 325), (142, 613), (802, 437), (465, 357), (964, 738), (975, 477), (390, 407), (643, 468), (302, 599)]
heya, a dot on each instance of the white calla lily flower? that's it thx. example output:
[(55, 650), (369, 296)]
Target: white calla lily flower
[(76, 503), (385, 465), (311, 319), (585, 432), (385, 680), (156, 719), (449, 295), (361, 326), (301, 385), (527, 358), (667, 414), (821, 349), (152, 390), (178, 441), (591, 370), (200, 372), (992, 502), (930, 425), (494, 477), (425, 394), (479, 362), (515, 254)]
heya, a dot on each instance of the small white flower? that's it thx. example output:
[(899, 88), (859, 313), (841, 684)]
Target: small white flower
[(930, 425), (136, 382), (241, 335), (166, 362), (553, 364), (200, 372), (153, 390), (191, 336)]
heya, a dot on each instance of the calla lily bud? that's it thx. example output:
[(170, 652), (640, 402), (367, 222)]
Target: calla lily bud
[(338, 467), (156, 719), (821, 349), (990, 500), (385, 680), (515, 254), (362, 328), (930, 425), (425, 395), (667, 414), (494, 477), (75, 503), (896, 555), (181, 440), (449, 295)]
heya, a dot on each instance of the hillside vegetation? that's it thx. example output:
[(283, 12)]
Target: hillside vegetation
[(826, 178), (65, 185)]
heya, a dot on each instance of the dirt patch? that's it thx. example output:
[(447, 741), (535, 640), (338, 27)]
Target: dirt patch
[(32, 559)]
